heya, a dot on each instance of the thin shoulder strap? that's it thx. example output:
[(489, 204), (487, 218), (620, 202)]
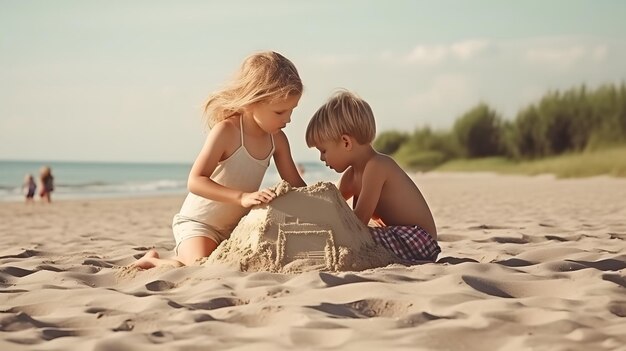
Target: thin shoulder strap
[(241, 128), (273, 146)]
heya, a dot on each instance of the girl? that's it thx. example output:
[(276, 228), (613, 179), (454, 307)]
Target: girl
[(47, 183), (29, 188), (246, 119)]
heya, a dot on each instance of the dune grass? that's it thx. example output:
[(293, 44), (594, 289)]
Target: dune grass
[(586, 164)]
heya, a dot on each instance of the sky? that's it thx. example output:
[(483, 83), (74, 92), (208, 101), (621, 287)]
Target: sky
[(125, 80)]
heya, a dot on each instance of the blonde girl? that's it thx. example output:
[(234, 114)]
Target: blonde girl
[(46, 181), (246, 119)]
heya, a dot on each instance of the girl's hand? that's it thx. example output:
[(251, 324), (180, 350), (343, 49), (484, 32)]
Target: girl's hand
[(257, 197)]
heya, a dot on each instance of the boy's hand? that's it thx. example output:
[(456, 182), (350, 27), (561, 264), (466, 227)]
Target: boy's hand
[(257, 197)]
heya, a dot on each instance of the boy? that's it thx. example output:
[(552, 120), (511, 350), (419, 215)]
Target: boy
[(343, 130)]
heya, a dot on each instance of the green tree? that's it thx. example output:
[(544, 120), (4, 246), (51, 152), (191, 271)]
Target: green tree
[(528, 133), (390, 141), (479, 132)]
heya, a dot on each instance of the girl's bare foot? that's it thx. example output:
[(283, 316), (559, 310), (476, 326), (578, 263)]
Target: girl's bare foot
[(148, 260)]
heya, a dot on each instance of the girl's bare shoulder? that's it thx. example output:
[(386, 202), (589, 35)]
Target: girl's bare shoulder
[(227, 129)]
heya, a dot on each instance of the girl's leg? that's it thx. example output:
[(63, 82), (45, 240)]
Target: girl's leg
[(45, 196), (195, 248), (189, 251)]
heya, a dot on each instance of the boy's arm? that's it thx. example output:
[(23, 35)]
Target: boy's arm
[(345, 184), (284, 162), (374, 177)]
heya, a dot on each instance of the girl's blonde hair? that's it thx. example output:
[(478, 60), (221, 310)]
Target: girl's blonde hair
[(45, 171), (344, 113), (264, 76)]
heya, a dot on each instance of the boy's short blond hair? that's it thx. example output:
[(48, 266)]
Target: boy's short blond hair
[(343, 113)]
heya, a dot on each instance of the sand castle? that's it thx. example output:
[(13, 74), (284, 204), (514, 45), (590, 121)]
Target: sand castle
[(310, 228)]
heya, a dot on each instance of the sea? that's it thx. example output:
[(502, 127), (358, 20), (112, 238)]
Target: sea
[(80, 180)]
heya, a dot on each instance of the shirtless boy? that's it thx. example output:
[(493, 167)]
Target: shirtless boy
[(343, 130)]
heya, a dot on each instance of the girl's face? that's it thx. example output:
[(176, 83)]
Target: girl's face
[(274, 116)]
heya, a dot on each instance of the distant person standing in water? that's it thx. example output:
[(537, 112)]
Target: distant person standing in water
[(46, 183), (29, 188)]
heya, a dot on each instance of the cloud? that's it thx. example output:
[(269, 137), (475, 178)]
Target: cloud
[(334, 59), (435, 54), (566, 56), (444, 100), (421, 54), (600, 52), (424, 54), (468, 49), (562, 52)]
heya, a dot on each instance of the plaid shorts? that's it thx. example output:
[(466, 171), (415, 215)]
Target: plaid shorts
[(411, 243)]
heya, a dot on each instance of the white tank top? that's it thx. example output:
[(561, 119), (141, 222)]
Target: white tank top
[(240, 171)]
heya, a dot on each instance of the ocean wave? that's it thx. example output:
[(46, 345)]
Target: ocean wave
[(99, 188)]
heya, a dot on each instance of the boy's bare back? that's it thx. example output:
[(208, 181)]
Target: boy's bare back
[(400, 202)]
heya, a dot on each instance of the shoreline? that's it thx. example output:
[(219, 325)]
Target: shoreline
[(415, 175), (111, 197)]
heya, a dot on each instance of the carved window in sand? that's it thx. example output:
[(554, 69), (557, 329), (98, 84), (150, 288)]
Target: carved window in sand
[(305, 241)]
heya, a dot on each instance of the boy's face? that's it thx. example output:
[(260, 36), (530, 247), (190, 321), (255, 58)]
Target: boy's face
[(334, 154)]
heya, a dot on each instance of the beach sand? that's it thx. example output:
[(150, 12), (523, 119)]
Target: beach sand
[(528, 263)]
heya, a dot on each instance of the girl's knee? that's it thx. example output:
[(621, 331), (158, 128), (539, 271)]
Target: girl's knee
[(195, 248)]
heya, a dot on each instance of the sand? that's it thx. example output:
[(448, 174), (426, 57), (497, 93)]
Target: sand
[(528, 263)]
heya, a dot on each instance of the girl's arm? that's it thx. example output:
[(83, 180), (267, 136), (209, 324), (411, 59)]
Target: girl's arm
[(284, 162), (199, 182)]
